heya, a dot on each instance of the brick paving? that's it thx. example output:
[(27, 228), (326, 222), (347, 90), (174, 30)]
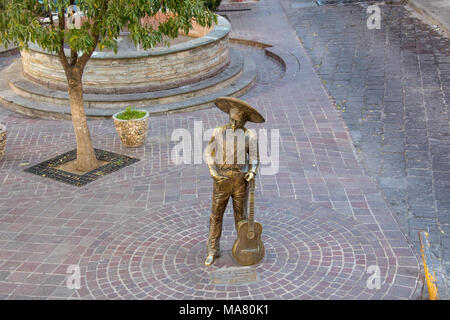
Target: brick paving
[(392, 86), (140, 233)]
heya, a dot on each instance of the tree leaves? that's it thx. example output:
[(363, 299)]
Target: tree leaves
[(24, 21)]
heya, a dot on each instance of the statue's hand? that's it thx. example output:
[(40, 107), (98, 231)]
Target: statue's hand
[(219, 178), (249, 176)]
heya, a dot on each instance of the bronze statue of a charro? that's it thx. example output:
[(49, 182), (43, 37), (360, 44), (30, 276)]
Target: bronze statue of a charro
[(233, 166)]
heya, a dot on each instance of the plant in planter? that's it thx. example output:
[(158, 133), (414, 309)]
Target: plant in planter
[(132, 126), (2, 140)]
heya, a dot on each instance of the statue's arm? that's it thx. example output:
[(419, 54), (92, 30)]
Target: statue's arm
[(209, 157), (253, 155)]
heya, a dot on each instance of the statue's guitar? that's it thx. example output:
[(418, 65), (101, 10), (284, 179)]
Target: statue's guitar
[(248, 248)]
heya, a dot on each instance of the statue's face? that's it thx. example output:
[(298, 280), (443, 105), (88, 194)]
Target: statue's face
[(237, 119)]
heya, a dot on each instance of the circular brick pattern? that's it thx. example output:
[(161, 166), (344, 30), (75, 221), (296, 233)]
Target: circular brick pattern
[(310, 253)]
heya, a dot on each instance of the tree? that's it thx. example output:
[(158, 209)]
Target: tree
[(44, 22), (212, 4)]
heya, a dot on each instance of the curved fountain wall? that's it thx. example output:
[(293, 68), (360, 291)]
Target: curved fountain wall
[(133, 71)]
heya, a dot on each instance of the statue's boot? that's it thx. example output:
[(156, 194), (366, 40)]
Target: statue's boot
[(211, 258)]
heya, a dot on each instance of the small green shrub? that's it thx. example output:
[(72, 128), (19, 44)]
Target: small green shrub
[(130, 114), (212, 4)]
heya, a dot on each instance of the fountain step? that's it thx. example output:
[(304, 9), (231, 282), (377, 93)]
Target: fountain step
[(25, 105), (34, 91)]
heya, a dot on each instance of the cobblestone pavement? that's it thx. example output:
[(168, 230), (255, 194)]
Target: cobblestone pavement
[(140, 233), (392, 87)]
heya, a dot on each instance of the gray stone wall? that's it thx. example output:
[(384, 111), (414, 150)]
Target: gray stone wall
[(3, 49), (166, 70)]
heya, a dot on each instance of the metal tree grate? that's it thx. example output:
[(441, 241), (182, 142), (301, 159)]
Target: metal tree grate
[(47, 168)]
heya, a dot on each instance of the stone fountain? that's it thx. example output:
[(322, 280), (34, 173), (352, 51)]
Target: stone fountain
[(187, 75)]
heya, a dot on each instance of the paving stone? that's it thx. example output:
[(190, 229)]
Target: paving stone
[(403, 69), (4, 275), (144, 239)]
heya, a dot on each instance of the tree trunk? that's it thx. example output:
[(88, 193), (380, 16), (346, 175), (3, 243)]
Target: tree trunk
[(86, 159)]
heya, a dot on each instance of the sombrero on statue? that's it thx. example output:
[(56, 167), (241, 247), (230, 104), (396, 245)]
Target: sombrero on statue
[(227, 103)]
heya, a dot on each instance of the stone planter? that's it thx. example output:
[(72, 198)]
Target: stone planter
[(2, 140), (132, 132)]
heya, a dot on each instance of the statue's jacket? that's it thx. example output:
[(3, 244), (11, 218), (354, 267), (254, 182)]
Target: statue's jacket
[(232, 150)]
